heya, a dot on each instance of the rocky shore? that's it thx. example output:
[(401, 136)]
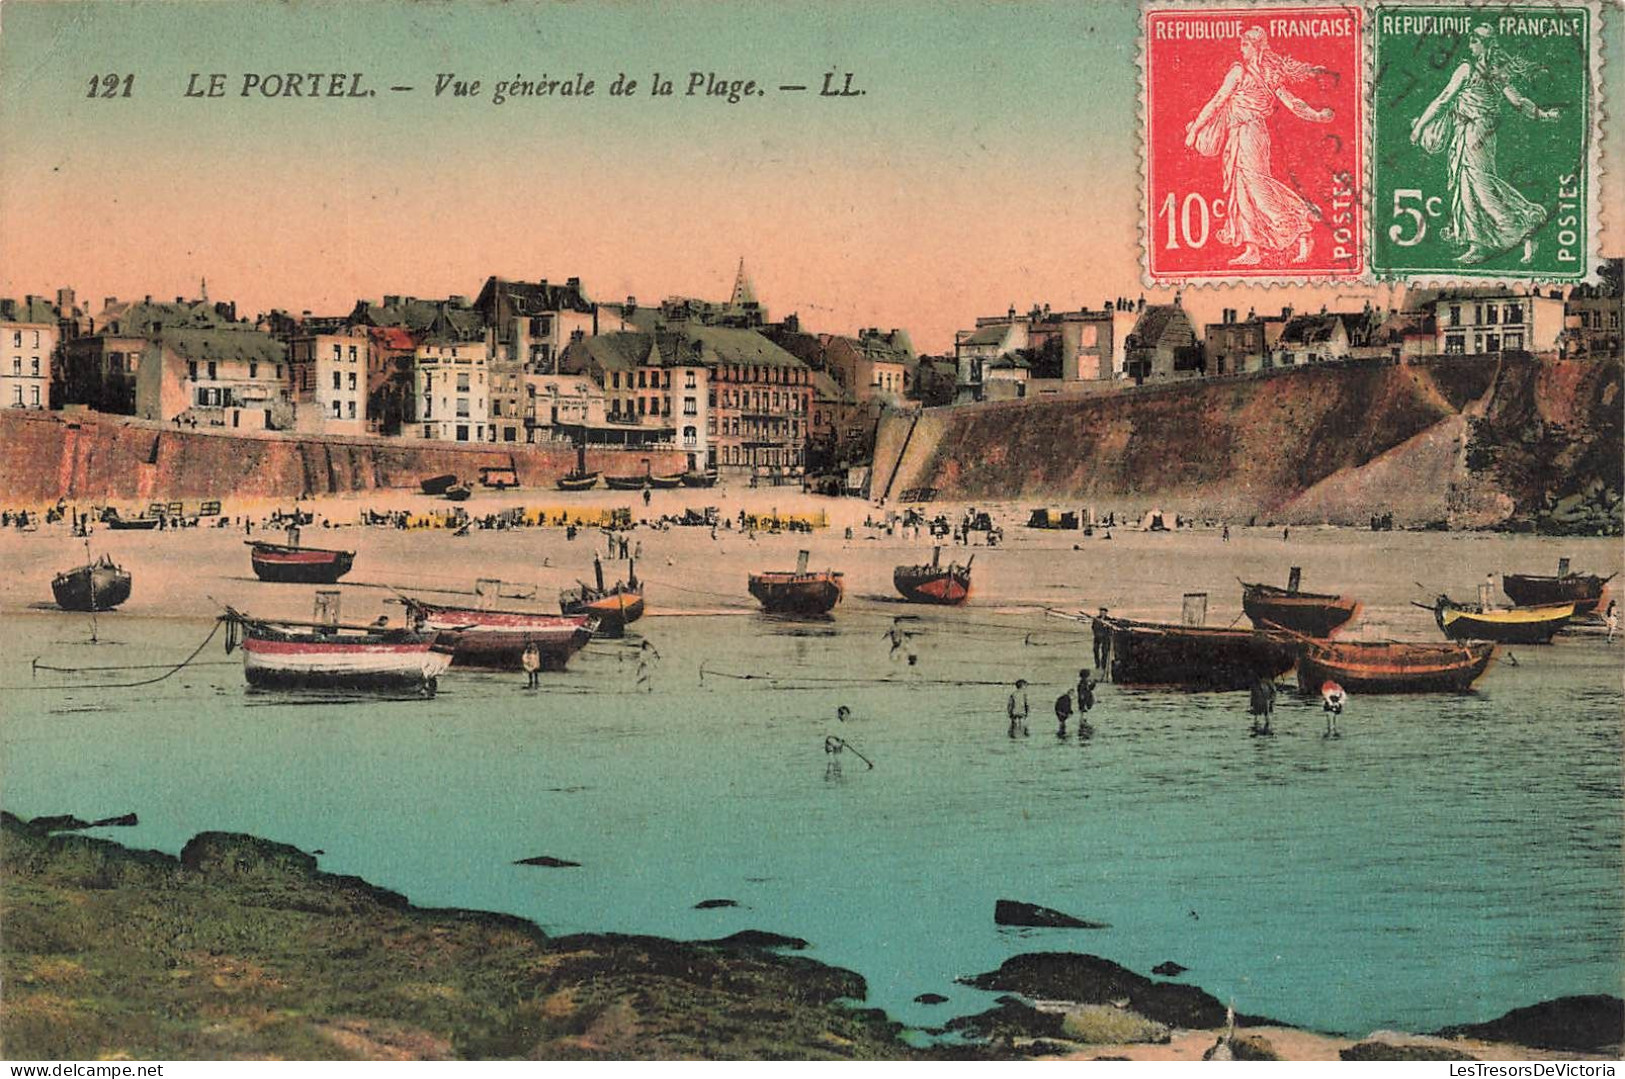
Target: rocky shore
[(243, 948)]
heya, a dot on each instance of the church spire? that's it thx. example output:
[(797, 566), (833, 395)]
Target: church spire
[(744, 293)]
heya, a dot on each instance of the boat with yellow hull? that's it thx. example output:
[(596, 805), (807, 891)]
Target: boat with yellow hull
[(1503, 625)]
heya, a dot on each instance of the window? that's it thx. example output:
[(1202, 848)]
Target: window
[(351, 409), (253, 369), (335, 410), (352, 354), (338, 381), (642, 384), (615, 380), (212, 374), (690, 437), (35, 390), (462, 432), (462, 412), (36, 345), (337, 353), (16, 365), (1513, 341), (1514, 313), (1455, 344), (428, 430), (1491, 313), (352, 380), (1455, 315), (18, 392), (17, 339), (191, 370), (688, 380), (462, 382), (690, 407)]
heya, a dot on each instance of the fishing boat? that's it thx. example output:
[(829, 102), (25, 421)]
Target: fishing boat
[(666, 483), (144, 523), (635, 482), (288, 563), (615, 607), (1392, 666), (1584, 590), (1313, 614), (798, 592), (459, 493), (578, 479), (933, 582), (486, 638), (1503, 625), (1195, 657), (334, 655), (694, 478), (96, 586), (438, 485)]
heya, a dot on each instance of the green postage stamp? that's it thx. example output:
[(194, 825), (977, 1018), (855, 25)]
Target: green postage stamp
[(1484, 142)]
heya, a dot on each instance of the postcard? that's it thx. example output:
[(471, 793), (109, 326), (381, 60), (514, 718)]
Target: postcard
[(905, 531)]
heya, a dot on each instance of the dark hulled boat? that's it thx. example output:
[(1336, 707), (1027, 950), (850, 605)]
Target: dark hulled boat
[(1584, 590), (1195, 657), (459, 493), (97, 586), (438, 485), (666, 483), (332, 655), (481, 638), (699, 479), (1503, 625), (578, 478), (626, 483), (290, 564), (615, 607), (933, 582), (1314, 614), (1392, 666), (800, 592)]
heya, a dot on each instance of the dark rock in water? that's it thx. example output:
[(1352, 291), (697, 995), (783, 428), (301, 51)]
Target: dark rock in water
[(127, 820), (930, 998), (1169, 969), (1580, 1024), (1011, 1018), (1385, 1050), (715, 904), (757, 938), (65, 822), (1012, 912), (548, 862), (1089, 979)]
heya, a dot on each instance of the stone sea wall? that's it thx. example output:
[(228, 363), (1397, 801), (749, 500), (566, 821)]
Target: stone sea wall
[(1464, 441), (88, 458)]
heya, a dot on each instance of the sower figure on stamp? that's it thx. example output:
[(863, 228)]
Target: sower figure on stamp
[(1263, 212), (1487, 214)]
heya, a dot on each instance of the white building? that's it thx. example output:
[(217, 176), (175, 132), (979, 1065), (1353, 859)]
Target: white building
[(28, 336), (451, 391), (1486, 320), (330, 382)]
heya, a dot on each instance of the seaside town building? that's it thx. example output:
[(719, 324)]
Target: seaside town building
[(231, 376), (563, 407), (29, 332), (1162, 345), (654, 390), (1044, 351), (100, 363), (451, 391), (329, 377), (1484, 320), (1593, 314)]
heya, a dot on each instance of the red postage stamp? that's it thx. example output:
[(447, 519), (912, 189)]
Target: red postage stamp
[(1254, 153)]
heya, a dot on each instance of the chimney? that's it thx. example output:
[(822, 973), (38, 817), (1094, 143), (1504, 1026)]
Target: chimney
[(64, 302), (392, 301), (180, 299), (149, 298), (631, 304), (573, 283), (1286, 312), (109, 302)]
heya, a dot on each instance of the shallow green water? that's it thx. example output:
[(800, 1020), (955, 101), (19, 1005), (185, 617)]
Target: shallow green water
[(1447, 859)]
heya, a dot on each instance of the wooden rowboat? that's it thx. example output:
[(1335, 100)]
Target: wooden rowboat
[(290, 564), (933, 582), (438, 485), (319, 655), (482, 638), (1195, 657), (801, 592), (97, 586), (572, 481), (615, 607), (666, 483), (1584, 590), (1503, 625), (1313, 614), (1392, 666), (700, 479)]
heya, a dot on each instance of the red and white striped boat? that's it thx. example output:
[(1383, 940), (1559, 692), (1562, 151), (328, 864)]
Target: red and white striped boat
[(480, 638), (314, 655)]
